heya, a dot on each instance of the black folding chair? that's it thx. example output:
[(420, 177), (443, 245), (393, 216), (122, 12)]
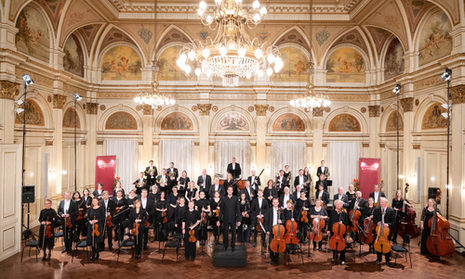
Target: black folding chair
[(31, 244), (292, 249), (81, 244), (174, 243), (404, 249), (126, 243)]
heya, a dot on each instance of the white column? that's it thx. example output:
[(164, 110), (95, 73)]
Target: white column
[(7, 114), (147, 147), (57, 154), (91, 120)]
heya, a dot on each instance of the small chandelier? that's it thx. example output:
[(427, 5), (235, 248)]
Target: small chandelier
[(311, 101), (153, 98), (231, 54)]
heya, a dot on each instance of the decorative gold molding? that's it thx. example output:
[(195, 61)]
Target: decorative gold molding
[(318, 112), (194, 108), (267, 144), (147, 110), (58, 101), (382, 145), (250, 109), (140, 143), (324, 145), (309, 144), (204, 109), (91, 108), (48, 142), (427, 82), (374, 111), (156, 142), (261, 109), (457, 94), (9, 90), (83, 142), (365, 145), (99, 142), (407, 104), (211, 143), (196, 143), (416, 146), (214, 108), (103, 107)]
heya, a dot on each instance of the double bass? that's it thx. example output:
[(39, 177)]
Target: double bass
[(291, 228), (278, 245), (439, 242), (407, 219), (382, 244), (337, 241)]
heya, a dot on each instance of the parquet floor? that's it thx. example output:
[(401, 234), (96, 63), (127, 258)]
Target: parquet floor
[(258, 266)]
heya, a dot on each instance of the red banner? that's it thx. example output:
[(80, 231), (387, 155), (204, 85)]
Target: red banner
[(369, 170), (105, 168)]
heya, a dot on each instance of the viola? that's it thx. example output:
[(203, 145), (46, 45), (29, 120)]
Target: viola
[(315, 233), (382, 244), (95, 231), (439, 242), (367, 235), (192, 237), (407, 219), (354, 215), (291, 228), (337, 241), (278, 245)]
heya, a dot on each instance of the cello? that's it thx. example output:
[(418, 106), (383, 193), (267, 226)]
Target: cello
[(439, 242), (407, 219), (315, 234), (354, 215), (291, 228), (337, 241), (367, 236), (278, 245), (382, 244)]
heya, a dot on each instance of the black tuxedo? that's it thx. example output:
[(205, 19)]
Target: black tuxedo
[(150, 210), (108, 233), (296, 180), (361, 204), (230, 214), (325, 184), (255, 187), (280, 186), (249, 196), (220, 189), (281, 200), (72, 211), (236, 172), (324, 197), (269, 219), (296, 195), (175, 170), (344, 199), (381, 195), (256, 209), (207, 182), (390, 220), (319, 171), (147, 171), (95, 193)]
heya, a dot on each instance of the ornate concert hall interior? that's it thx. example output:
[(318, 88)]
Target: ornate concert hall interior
[(92, 90)]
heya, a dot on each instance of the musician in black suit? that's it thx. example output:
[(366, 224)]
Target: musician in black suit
[(386, 215), (205, 182), (99, 191), (359, 203), (149, 206), (162, 182), (342, 197), (217, 188), (285, 196), (300, 180), (338, 215), (322, 194), (273, 217), (140, 183), (234, 168), (110, 207), (259, 208), (322, 179), (281, 182), (254, 181), (377, 194), (248, 191), (298, 190), (174, 170), (68, 208), (151, 168), (322, 169), (230, 216)]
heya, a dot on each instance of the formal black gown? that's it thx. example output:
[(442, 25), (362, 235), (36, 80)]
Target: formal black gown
[(98, 214), (426, 215), (138, 239), (49, 215)]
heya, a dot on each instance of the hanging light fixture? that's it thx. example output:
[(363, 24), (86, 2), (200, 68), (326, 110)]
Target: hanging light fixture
[(153, 97), (231, 54), (311, 100)]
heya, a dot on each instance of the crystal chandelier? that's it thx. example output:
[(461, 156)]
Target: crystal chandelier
[(231, 54), (311, 101), (153, 98)]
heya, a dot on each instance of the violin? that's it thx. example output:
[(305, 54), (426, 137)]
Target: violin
[(278, 245), (192, 237), (354, 215), (337, 241), (291, 228), (135, 228), (439, 242), (315, 234), (68, 223), (163, 215), (48, 230), (204, 217), (407, 219), (382, 244), (304, 217), (80, 215), (109, 224), (259, 223), (367, 235), (95, 231)]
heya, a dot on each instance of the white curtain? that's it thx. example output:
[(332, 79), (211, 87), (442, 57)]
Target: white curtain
[(179, 152), (343, 164), (287, 153), (225, 150), (126, 160)]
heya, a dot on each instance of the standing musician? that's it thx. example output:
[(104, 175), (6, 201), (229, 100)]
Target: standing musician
[(154, 194), (289, 213), (109, 207), (162, 181), (318, 212), (351, 193), (96, 222), (179, 214), (173, 170), (248, 191), (386, 215), (259, 208), (308, 181), (281, 182), (270, 192), (254, 181), (80, 216), (120, 215), (296, 194), (426, 215), (288, 175), (339, 215), (397, 204), (86, 196), (234, 168), (215, 207), (182, 183), (99, 191), (172, 182), (376, 195), (172, 203), (149, 206), (322, 170), (357, 203), (151, 170), (322, 194), (230, 215), (273, 217), (203, 207), (117, 188), (137, 218), (160, 219), (367, 213), (244, 230), (217, 188), (68, 210), (302, 207), (230, 182), (140, 182), (131, 198), (190, 222), (48, 219), (341, 197), (191, 192), (322, 179), (204, 181), (285, 196), (300, 180)]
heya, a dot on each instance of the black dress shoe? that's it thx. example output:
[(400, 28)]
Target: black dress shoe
[(44, 258)]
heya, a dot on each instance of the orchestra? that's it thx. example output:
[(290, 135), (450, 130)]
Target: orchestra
[(193, 210)]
